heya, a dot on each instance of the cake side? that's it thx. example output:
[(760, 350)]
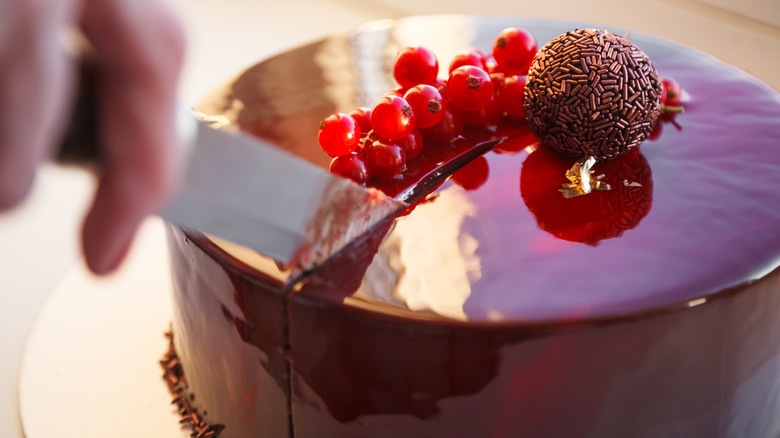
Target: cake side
[(707, 370), (229, 332)]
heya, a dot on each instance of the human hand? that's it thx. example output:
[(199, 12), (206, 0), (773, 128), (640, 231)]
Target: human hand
[(139, 46)]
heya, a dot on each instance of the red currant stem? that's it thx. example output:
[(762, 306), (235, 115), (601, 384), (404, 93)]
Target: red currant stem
[(366, 139), (672, 109), (676, 125)]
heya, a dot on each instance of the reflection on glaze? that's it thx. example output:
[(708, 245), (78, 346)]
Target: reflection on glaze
[(254, 260), (337, 64), (400, 274), (595, 216)]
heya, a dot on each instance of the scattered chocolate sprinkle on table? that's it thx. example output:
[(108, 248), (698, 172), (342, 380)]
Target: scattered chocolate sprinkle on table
[(174, 378)]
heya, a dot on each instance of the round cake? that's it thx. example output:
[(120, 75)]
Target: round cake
[(496, 307)]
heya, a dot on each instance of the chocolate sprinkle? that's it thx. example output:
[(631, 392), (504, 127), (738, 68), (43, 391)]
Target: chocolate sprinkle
[(173, 374), (592, 93)]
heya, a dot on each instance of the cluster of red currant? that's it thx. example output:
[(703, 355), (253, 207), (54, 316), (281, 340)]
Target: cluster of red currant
[(481, 90)]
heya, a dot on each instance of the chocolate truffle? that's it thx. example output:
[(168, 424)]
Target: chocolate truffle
[(592, 93)]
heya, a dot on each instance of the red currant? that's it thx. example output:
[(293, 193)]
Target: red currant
[(498, 79), (469, 88), (672, 93), (448, 128), (397, 91), (384, 159), (441, 85), (510, 97), (414, 66), (350, 166), (514, 51), (363, 118), (474, 57), (490, 64), (412, 144), (490, 115), (427, 105), (392, 118), (339, 135)]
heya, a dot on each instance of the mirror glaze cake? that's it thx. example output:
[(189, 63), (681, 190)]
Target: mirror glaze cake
[(495, 307)]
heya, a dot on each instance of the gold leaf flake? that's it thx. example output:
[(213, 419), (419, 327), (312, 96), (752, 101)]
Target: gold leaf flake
[(570, 191), (582, 180)]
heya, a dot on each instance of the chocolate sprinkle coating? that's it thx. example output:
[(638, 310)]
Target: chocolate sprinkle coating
[(592, 93)]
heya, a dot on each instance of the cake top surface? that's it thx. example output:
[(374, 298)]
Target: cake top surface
[(694, 212)]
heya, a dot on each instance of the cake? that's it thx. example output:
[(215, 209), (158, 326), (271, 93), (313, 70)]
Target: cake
[(493, 308)]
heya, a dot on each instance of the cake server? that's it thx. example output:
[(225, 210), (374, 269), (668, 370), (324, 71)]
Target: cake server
[(246, 190)]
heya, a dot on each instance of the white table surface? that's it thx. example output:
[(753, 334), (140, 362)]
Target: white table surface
[(39, 239)]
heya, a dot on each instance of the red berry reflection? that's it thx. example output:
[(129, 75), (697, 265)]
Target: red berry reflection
[(472, 175), (595, 216)]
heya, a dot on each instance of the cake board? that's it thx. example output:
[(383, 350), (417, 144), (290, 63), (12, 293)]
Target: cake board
[(90, 367)]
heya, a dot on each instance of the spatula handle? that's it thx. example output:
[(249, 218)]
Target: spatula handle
[(79, 145)]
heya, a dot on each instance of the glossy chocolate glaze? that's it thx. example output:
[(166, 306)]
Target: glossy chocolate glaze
[(235, 353), (656, 316)]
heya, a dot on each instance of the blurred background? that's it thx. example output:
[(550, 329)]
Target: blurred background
[(39, 240)]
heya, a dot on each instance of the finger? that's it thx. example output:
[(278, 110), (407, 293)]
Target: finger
[(140, 46), (35, 80)]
